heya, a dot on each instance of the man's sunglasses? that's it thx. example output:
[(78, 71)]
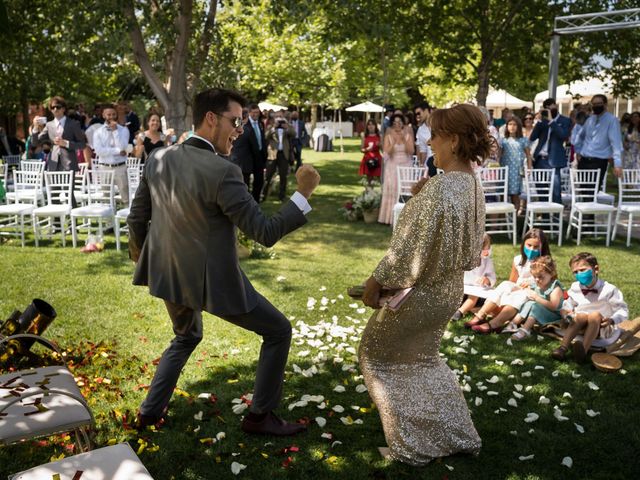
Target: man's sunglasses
[(235, 121), (56, 107)]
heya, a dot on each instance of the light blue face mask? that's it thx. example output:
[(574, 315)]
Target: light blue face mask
[(531, 254), (585, 278)]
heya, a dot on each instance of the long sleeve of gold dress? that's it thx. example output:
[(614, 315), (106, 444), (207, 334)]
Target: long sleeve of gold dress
[(438, 237)]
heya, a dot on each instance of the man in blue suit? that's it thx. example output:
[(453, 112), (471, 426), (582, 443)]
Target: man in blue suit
[(551, 132)]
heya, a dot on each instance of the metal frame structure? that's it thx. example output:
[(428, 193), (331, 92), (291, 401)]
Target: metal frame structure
[(586, 23)]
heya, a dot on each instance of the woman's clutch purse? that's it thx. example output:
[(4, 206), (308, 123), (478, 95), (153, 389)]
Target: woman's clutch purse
[(392, 299)]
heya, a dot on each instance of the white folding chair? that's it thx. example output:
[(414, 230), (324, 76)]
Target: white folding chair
[(565, 186), (13, 216), (32, 191), (133, 179), (59, 187), (11, 163), (134, 162), (3, 179), (585, 185), (32, 166), (100, 203), (116, 462), (407, 177), (541, 211), (80, 185), (603, 196), (500, 213), (628, 201), (43, 402)]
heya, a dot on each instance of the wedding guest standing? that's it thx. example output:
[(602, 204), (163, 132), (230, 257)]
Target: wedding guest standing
[(438, 236), (398, 147), (371, 163), (151, 138)]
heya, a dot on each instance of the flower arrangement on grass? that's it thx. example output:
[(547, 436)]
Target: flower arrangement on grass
[(365, 204)]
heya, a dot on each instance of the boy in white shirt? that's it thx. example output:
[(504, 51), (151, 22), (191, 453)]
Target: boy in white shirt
[(594, 307)]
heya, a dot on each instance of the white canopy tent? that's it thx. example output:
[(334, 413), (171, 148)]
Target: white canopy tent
[(503, 99), (583, 90), (368, 107), (271, 106)]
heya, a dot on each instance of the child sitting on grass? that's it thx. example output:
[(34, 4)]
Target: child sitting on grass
[(544, 301), (594, 307), (481, 276)]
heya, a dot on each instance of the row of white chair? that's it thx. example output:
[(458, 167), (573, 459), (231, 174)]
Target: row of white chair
[(99, 204), (586, 198)]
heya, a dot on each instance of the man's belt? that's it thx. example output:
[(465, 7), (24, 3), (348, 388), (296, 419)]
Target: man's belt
[(112, 164)]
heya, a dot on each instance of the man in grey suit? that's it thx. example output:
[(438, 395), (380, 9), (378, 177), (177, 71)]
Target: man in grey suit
[(64, 133), (183, 238)]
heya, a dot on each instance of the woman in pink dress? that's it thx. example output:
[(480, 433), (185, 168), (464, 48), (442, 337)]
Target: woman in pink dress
[(398, 149), (371, 164)]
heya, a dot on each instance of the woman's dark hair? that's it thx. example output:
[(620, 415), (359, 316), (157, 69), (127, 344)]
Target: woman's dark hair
[(544, 243), (397, 115), (518, 133), (214, 100), (469, 124), (148, 117), (371, 122)]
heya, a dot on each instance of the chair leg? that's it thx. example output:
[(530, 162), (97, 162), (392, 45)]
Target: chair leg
[(569, 224), (629, 226), (514, 228), (116, 230), (524, 225), (36, 229), (608, 240), (74, 232), (63, 226), (579, 228), (560, 229), (22, 230), (615, 224)]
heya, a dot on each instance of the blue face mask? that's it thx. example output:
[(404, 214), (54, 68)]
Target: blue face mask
[(531, 254), (585, 278)]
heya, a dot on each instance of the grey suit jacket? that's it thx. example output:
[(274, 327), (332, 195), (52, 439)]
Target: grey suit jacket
[(62, 158), (182, 229)]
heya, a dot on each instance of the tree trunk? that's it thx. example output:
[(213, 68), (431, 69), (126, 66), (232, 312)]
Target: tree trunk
[(314, 117), (483, 84)]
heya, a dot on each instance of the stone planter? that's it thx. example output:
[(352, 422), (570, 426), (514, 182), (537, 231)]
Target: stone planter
[(371, 216)]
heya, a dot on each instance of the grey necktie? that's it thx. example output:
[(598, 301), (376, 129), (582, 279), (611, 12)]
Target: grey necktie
[(256, 129)]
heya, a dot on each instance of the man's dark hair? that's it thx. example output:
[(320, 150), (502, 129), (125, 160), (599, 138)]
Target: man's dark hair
[(587, 257), (422, 106), (547, 102), (254, 106), (602, 97), (57, 100), (214, 100)]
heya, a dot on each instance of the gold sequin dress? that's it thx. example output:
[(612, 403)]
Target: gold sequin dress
[(438, 236)]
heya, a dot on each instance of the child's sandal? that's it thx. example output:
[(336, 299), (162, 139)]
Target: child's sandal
[(476, 320), (486, 329), (559, 353), (521, 334)]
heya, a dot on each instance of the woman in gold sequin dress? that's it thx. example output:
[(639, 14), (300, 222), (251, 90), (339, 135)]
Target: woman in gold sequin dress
[(438, 236)]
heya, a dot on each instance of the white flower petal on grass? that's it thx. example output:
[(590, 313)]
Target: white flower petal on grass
[(478, 401), (482, 388), (509, 342), (280, 278), (346, 420), (351, 350), (339, 389), (526, 374), (514, 432), (531, 417), (528, 388), (491, 393), (340, 296), (354, 305), (338, 408), (239, 408), (623, 372), (593, 386), (575, 375), (221, 436), (558, 414), (198, 416), (361, 310), (361, 388), (459, 350), (567, 462), (524, 458), (517, 395), (538, 367), (544, 400), (531, 430), (580, 428), (321, 421), (517, 361), (236, 468), (197, 429), (449, 467), (555, 373), (592, 413), (204, 396), (466, 388), (518, 387), (512, 403), (327, 435), (566, 395), (304, 353), (322, 288), (493, 379), (311, 302), (336, 443), (322, 406), (499, 363), (474, 351)]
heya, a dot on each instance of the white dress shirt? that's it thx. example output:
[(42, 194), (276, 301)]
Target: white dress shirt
[(422, 139), (109, 143), (608, 301)]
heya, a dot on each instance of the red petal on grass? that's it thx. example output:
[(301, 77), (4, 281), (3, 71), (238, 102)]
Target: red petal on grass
[(287, 462)]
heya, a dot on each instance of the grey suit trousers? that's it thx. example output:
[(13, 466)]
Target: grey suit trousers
[(265, 320)]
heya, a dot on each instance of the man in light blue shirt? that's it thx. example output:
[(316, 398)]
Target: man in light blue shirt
[(600, 140)]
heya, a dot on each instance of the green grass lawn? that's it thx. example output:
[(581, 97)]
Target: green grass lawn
[(115, 331)]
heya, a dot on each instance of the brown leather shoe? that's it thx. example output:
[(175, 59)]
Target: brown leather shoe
[(272, 425), (144, 421), (559, 353)]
